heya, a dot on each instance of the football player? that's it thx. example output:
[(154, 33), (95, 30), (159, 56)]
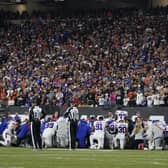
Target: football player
[(110, 132), (122, 131), (62, 133), (49, 133), (8, 134), (121, 115), (98, 134)]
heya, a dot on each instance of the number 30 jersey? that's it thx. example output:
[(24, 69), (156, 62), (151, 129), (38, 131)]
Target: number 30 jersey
[(122, 128)]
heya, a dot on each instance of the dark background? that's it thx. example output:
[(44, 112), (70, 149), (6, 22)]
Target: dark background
[(30, 5)]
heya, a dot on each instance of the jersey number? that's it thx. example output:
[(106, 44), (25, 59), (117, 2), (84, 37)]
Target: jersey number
[(121, 129), (98, 126)]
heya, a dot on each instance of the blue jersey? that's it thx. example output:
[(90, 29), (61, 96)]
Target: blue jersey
[(3, 126), (42, 128), (17, 118), (24, 130)]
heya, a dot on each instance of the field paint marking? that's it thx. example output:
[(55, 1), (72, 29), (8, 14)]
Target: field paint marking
[(63, 149), (156, 163)]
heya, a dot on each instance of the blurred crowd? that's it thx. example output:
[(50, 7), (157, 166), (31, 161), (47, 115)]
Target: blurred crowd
[(97, 60)]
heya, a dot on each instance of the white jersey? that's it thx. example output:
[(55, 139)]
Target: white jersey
[(50, 128), (98, 134), (122, 128), (8, 135), (99, 127), (63, 127), (62, 132), (121, 115)]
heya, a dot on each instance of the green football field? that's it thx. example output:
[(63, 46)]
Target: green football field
[(59, 158)]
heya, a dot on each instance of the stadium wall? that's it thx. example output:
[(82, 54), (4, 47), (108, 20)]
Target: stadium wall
[(49, 109)]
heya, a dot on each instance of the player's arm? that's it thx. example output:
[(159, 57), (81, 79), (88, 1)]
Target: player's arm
[(106, 125)]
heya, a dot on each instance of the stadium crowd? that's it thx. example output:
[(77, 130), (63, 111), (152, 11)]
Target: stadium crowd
[(97, 59)]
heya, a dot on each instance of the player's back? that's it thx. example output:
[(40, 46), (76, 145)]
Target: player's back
[(121, 114), (50, 128), (99, 126), (122, 128), (111, 126), (62, 127)]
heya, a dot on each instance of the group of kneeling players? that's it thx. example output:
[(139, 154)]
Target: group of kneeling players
[(115, 131)]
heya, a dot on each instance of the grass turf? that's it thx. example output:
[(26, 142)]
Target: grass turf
[(57, 158)]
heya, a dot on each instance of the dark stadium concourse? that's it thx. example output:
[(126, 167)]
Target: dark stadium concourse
[(56, 5), (44, 5)]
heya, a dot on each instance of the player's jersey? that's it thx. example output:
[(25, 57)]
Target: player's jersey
[(50, 128), (99, 126), (62, 127), (111, 126), (122, 128), (160, 124), (121, 115), (8, 134), (166, 129)]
